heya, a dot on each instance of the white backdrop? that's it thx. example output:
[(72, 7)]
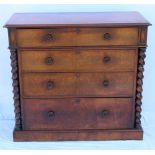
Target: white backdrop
[(6, 101)]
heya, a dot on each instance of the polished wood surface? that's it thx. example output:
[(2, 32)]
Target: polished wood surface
[(27, 20), (77, 76), (77, 84), (60, 114), (78, 135), (76, 37), (78, 60)]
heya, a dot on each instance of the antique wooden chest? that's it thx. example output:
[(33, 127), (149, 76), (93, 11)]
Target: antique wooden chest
[(77, 76)]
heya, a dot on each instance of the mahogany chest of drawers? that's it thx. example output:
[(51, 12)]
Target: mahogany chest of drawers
[(77, 76)]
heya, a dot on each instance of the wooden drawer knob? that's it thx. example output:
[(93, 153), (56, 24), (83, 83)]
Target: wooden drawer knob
[(77, 100), (106, 59), (50, 85), (107, 36), (105, 83), (49, 60), (51, 114), (49, 37), (104, 113), (77, 74)]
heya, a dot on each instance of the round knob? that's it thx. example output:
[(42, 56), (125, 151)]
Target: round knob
[(49, 37), (104, 113), (106, 59), (77, 30), (77, 74), (50, 84), (107, 36), (51, 114), (105, 83), (49, 60), (77, 100)]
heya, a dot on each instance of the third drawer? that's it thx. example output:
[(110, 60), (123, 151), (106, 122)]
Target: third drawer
[(78, 84)]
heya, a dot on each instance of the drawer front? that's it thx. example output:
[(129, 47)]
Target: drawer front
[(76, 37), (78, 84), (81, 113), (81, 60)]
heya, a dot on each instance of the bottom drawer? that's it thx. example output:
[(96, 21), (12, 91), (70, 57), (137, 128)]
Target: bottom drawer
[(83, 113)]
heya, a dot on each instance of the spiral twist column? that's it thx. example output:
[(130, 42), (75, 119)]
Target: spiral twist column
[(15, 84), (139, 89)]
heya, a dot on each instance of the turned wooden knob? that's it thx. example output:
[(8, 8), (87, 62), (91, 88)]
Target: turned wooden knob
[(49, 60), (104, 113), (49, 37), (77, 74), (51, 114), (106, 59), (107, 36), (77, 100), (50, 84), (105, 83)]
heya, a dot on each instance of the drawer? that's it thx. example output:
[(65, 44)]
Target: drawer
[(77, 84), (95, 113), (76, 37), (81, 60)]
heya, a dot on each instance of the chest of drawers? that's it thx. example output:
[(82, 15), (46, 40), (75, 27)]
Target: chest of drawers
[(77, 76)]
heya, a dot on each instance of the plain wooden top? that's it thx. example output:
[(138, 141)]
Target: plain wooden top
[(21, 20)]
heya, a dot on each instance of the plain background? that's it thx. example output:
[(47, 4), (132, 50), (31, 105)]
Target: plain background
[(6, 101)]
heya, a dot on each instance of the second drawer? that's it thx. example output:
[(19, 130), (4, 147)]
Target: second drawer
[(77, 84), (78, 60)]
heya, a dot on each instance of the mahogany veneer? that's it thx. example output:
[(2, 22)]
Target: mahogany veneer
[(77, 76)]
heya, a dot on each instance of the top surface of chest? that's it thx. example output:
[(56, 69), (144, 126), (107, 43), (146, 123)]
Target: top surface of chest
[(88, 19)]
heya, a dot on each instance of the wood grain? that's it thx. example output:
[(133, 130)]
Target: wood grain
[(96, 19), (72, 37), (78, 84), (76, 135), (60, 114), (78, 60)]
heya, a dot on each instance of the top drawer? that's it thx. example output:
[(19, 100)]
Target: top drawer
[(76, 37)]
